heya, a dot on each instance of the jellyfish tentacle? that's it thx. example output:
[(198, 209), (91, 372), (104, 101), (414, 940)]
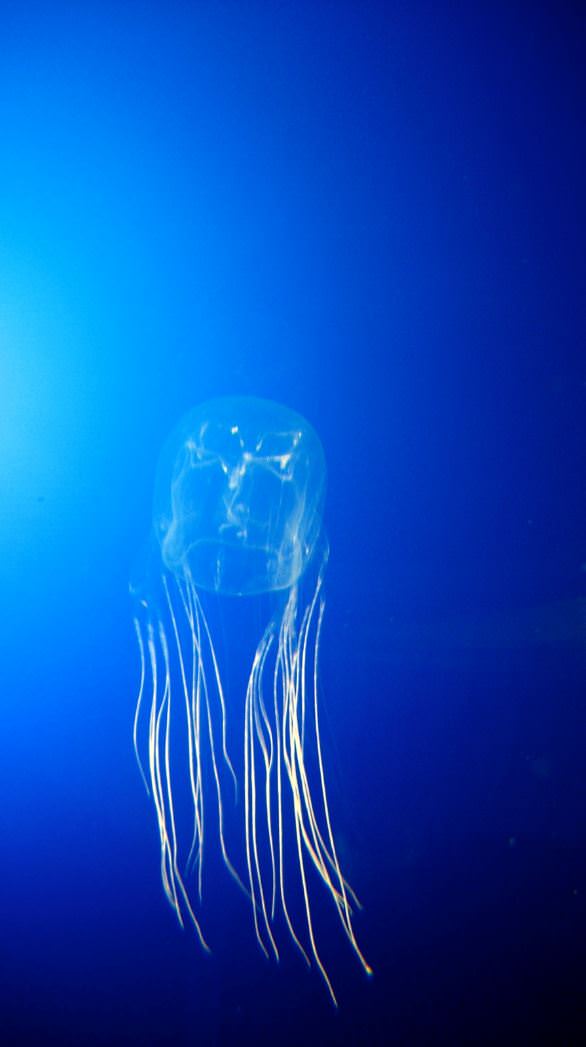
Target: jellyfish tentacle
[(137, 712), (341, 881), (161, 779), (316, 847), (198, 616), (248, 803), (173, 854), (219, 685), (263, 725), (193, 719), (164, 716), (320, 849), (193, 715), (288, 729), (196, 715), (155, 774), (294, 656), (300, 662), (252, 855), (321, 855), (192, 746), (278, 677), (159, 783)]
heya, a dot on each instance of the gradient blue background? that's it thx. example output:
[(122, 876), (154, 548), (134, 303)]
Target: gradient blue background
[(375, 214)]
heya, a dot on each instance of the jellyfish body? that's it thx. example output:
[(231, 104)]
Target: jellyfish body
[(238, 512)]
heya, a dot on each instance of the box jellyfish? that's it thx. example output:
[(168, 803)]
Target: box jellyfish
[(238, 516)]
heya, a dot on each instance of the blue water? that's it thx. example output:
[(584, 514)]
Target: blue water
[(373, 213)]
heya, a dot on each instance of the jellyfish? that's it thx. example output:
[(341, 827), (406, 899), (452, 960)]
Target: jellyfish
[(238, 517)]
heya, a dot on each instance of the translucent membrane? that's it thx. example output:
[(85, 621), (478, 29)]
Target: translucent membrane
[(239, 496)]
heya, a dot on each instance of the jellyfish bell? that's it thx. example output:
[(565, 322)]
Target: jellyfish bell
[(238, 512), (239, 496)]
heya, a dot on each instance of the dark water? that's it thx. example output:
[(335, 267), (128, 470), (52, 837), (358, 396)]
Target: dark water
[(374, 214)]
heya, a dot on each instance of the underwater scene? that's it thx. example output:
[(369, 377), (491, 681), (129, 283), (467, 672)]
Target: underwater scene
[(292, 524)]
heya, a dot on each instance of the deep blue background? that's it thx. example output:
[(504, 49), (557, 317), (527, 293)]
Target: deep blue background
[(375, 214)]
